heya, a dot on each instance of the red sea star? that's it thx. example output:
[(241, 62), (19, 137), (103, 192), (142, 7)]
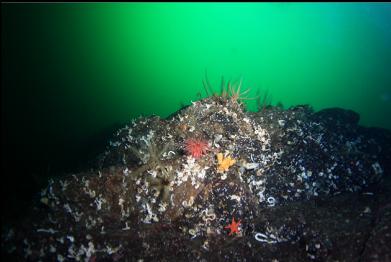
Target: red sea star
[(233, 227)]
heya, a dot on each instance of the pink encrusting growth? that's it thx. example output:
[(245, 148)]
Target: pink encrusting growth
[(196, 147)]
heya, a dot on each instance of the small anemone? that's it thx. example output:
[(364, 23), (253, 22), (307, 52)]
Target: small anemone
[(196, 147)]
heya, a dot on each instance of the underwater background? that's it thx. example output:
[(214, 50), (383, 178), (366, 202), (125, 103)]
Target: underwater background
[(74, 73)]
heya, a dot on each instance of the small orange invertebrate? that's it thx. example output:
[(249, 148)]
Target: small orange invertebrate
[(234, 226), (224, 163)]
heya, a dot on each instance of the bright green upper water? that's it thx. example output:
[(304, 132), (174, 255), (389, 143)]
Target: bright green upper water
[(70, 70)]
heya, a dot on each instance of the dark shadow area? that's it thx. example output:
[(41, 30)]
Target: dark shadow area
[(25, 170)]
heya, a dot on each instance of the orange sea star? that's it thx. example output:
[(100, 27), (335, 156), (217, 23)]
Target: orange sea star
[(233, 226)]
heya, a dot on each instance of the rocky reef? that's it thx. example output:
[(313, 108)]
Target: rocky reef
[(213, 182)]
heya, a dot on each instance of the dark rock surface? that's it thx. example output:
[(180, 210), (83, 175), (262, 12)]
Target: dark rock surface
[(306, 186)]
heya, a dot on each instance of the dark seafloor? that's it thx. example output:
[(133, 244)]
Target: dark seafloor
[(305, 185)]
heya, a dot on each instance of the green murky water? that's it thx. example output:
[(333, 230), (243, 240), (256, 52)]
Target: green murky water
[(71, 71)]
